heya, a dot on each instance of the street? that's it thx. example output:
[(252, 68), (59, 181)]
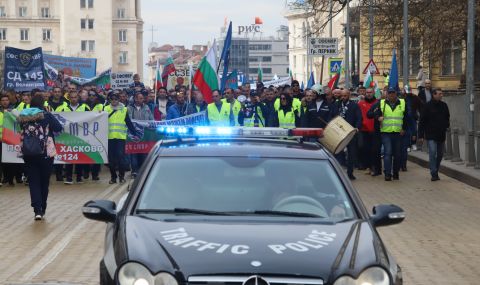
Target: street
[(436, 244)]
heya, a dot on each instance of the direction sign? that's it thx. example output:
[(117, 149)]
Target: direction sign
[(334, 64), (372, 67), (323, 46)]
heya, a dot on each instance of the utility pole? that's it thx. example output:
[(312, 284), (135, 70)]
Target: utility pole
[(405, 42), (347, 48), (470, 96), (152, 29), (370, 17)]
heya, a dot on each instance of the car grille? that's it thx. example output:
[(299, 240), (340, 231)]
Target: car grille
[(242, 280)]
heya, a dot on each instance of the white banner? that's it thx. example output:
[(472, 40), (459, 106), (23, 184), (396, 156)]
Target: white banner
[(84, 139), (121, 80)]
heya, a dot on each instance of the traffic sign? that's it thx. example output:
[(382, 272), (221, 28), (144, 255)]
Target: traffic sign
[(334, 65), (323, 46), (372, 67)]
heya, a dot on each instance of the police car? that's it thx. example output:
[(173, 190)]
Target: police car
[(243, 206)]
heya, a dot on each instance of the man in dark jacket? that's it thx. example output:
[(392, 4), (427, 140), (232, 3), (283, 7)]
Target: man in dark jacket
[(319, 112), (349, 111), (198, 105), (434, 122)]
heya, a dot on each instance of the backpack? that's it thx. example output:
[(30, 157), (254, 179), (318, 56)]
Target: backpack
[(34, 139)]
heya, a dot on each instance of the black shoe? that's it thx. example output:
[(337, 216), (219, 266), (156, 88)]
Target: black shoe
[(376, 174), (435, 178), (79, 180), (122, 180), (112, 181), (396, 177), (95, 178), (404, 169), (388, 178), (86, 176), (351, 177)]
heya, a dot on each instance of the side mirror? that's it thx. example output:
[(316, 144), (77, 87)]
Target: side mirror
[(100, 210), (386, 215)]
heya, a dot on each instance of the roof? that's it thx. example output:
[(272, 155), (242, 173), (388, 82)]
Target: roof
[(242, 147)]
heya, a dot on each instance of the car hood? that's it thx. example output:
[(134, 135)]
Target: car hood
[(245, 248)]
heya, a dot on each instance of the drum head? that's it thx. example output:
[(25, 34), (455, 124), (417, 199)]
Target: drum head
[(343, 143)]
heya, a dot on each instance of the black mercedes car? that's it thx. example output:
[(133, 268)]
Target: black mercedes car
[(243, 210)]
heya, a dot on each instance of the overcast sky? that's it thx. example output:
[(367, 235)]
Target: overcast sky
[(189, 22)]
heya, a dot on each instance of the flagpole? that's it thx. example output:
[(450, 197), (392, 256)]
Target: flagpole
[(155, 82)]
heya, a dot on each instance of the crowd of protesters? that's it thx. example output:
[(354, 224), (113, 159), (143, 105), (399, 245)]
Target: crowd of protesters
[(387, 126)]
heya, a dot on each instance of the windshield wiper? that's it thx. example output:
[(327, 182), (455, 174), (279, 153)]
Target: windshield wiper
[(183, 211), (283, 213)]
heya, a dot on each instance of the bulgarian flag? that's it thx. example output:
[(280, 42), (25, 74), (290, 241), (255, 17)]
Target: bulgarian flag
[(206, 77), (168, 68), (158, 78), (333, 83), (368, 81)]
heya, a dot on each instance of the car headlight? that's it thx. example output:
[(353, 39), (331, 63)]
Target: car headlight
[(371, 276), (136, 274)]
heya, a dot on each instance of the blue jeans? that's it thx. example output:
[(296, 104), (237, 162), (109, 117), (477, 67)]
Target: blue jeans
[(435, 153), (406, 143), (392, 143)]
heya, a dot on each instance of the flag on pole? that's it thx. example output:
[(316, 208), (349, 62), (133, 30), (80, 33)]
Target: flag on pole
[(368, 81), (291, 74), (206, 78), (394, 73), (259, 74), (168, 68), (311, 80), (302, 87), (158, 77), (378, 93), (225, 57)]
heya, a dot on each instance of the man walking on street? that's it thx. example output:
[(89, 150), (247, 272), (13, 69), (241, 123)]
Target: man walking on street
[(367, 153), (434, 122), (392, 115)]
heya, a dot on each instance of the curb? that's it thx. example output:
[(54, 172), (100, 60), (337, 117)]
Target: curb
[(468, 179)]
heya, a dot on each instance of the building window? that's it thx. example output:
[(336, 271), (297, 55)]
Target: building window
[(88, 46), (122, 58), (24, 34), (2, 11), (452, 59), (253, 59), (294, 61), (47, 35), (260, 47), (83, 3), (86, 23), (45, 11), (122, 36), (288, 70), (266, 59), (413, 57), (121, 13), (3, 34), (22, 11), (265, 70)]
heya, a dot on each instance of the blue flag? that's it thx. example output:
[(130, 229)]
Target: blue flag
[(24, 69), (232, 80), (394, 73), (311, 81), (302, 87), (226, 57)]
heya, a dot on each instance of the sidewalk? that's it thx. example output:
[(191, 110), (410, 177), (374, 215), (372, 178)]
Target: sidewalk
[(456, 170)]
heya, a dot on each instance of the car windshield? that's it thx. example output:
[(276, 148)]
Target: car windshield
[(245, 186)]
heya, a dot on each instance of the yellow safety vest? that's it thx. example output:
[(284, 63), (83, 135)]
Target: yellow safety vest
[(1, 126), (217, 118), (82, 108), (250, 122), (22, 106), (392, 119), (117, 129), (99, 107), (235, 108), (286, 121), (296, 104), (63, 108)]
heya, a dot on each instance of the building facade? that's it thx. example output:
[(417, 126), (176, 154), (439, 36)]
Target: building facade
[(109, 30), (248, 54)]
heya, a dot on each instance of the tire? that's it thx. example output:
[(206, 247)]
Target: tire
[(105, 278)]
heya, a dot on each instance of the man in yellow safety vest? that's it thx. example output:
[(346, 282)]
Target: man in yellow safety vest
[(219, 113)]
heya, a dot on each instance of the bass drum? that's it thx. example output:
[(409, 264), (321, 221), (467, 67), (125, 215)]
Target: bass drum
[(337, 135)]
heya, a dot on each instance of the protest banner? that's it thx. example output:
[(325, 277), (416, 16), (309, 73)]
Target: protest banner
[(181, 76), (103, 80), (121, 80), (84, 139), (149, 135), (72, 66), (23, 69)]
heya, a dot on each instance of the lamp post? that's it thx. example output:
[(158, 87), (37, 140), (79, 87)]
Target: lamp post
[(470, 96)]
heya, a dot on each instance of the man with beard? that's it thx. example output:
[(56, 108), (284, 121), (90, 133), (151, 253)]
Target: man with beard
[(370, 141), (296, 91)]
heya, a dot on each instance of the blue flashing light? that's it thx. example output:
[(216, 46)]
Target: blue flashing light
[(224, 131), (202, 130)]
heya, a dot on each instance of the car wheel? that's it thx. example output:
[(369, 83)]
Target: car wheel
[(104, 276)]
